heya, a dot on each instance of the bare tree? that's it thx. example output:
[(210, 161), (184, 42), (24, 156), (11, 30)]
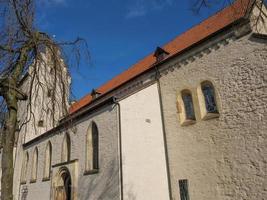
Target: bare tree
[(26, 50), (199, 4), (258, 17)]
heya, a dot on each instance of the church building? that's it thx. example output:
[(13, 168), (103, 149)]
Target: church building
[(187, 122)]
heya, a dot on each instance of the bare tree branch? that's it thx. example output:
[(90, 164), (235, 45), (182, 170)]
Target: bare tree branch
[(26, 50)]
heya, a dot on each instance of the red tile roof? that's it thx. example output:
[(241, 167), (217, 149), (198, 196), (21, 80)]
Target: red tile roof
[(194, 35)]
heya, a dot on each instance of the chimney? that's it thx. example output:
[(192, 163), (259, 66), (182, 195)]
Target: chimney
[(160, 54), (95, 94)]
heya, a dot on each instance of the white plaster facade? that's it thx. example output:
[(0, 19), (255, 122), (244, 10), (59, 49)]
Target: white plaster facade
[(143, 155)]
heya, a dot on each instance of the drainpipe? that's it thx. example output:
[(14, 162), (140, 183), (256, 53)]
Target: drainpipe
[(157, 75), (120, 145)]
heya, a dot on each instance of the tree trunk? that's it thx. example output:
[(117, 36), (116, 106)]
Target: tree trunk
[(11, 97), (8, 138)]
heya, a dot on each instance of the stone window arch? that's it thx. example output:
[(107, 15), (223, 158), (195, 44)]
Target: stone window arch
[(188, 105), (209, 97), (24, 169), (185, 107), (92, 139), (66, 148), (207, 100), (47, 161), (34, 165)]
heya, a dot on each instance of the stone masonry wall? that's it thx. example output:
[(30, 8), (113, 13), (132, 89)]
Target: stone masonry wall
[(223, 158), (102, 185)]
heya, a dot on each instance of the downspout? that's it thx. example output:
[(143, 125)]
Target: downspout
[(157, 75), (120, 145)]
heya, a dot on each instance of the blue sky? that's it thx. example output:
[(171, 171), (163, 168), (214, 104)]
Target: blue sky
[(118, 32)]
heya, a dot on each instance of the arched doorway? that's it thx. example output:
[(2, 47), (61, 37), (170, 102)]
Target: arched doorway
[(64, 185)]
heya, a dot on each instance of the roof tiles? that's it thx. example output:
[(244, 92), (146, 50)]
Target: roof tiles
[(194, 35)]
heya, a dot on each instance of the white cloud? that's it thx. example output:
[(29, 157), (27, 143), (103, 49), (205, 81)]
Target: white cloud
[(137, 10), (140, 8), (52, 2)]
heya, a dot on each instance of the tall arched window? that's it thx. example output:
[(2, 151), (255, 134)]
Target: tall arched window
[(209, 97), (34, 165), (24, 169), (47, 161), (188, 105), (65, 154), (92, 147)]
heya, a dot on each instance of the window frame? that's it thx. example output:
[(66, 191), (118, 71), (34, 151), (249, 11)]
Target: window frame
[(24, 169), (184, 189), (34, 169), (47, 162), (66, 149), (92, 148), (181, 108), (204, 113)]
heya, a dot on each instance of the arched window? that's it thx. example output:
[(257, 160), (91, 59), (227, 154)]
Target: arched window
[(24, 169), (92, 147), (34, 165), (209, 97), (65, 155), (47, 161), (188, 105)]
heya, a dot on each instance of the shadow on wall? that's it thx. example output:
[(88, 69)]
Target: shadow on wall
[(103, 185), (129, 195), (106, 185)]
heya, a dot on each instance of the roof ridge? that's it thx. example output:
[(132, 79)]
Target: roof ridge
[(191, 36)]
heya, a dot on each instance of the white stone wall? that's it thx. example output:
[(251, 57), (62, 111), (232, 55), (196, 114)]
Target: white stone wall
[(143, 153), (222, 158), (102, 185), (39, 105), (40, 109)]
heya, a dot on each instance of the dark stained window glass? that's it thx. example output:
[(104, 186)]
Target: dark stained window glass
[(95, 146), (209, 96), (183, 186), (188, 105), (68, 146)]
